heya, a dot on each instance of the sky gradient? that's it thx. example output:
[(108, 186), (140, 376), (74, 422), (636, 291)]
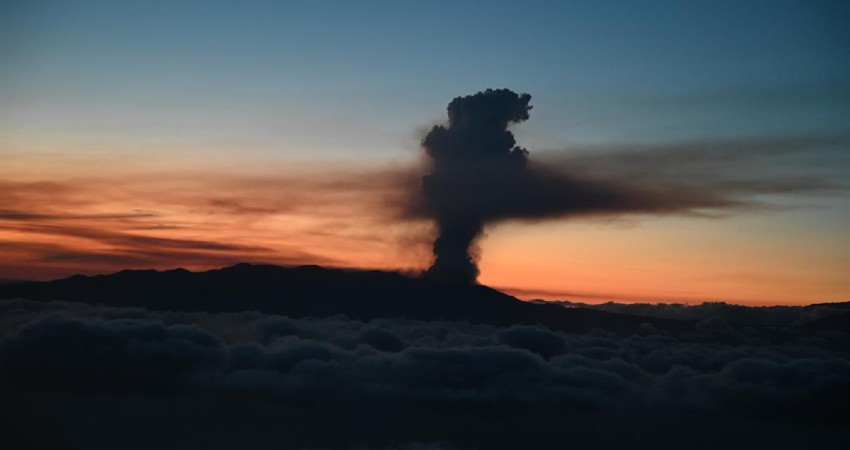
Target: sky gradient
[(200, 134)]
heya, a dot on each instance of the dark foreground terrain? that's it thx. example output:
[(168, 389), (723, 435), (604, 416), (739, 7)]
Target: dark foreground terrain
[(271, 357), (319, 292)]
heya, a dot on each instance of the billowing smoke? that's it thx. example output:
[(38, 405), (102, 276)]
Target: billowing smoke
[(476, 147), (478, 176)]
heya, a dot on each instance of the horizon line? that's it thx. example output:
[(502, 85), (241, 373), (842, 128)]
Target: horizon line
[(522, 294)]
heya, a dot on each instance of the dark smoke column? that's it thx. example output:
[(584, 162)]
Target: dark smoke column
[(468, 157)]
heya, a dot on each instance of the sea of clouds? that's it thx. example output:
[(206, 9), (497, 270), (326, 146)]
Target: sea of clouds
[(773, 375)]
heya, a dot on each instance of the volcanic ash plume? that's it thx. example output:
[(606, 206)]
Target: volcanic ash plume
[(479, 177), (468, 156)]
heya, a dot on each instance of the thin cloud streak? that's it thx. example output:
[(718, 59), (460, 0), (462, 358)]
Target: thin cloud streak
[(594, 298), (201, 221)]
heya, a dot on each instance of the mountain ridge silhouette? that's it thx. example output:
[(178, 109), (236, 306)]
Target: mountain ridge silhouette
[(304, 291)]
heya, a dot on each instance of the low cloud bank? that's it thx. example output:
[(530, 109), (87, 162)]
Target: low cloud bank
[(734, 314), (775, 375)]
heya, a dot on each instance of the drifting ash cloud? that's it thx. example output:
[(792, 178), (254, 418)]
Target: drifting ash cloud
[(479, 176), (265, 381)]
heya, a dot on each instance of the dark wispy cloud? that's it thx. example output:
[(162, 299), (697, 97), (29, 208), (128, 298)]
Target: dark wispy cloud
[(55, 260), (125, 240), (204, 220), (6, 214), (795, 161)]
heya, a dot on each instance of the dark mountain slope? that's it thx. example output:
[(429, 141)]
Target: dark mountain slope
[(315, 291)]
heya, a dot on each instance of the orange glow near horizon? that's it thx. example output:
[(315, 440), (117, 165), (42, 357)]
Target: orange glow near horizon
[(79, 210), (671, 260), (55, 222)]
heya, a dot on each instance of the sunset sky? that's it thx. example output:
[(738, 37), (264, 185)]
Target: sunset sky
[(165, 134)]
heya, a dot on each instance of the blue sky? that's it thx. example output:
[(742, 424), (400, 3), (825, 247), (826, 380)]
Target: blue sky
[(362, 76), (94, 89)]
